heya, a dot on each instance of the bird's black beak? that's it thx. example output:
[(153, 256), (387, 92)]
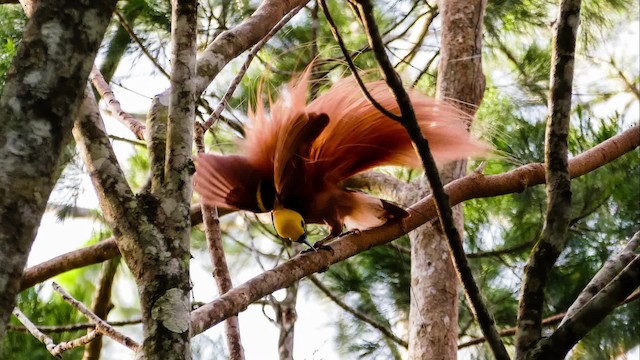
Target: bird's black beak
[(303, 240)]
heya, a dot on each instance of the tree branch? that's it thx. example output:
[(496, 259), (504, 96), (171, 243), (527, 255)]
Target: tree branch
[(106, 93), (558, 216), (73, 327), (117, 201), (93, 254), (443, 207), (611, 268), (101, 304), (215, 115), (101, 326), (31, 327), (127, 27), (472, 186), (352, 66), (550, 321), (222, 277), (575, 328)]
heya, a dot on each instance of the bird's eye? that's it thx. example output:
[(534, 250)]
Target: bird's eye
[(302, 223)]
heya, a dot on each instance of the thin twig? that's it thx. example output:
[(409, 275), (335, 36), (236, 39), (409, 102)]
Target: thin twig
[(105, 91), (245, 66), (129, 141), (498, 252), (358, 314), (68, 345), (352, 66), (31, 327), (481, 312), (72, 327), (101, 326), (125, 24)]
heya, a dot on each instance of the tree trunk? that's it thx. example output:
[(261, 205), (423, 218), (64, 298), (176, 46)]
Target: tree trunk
[(433, 317), (43, 90), (433, 312)]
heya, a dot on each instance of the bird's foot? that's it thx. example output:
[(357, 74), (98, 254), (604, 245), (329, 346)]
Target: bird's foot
[(318, 246)]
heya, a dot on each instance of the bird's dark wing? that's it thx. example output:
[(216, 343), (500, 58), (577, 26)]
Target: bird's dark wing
[(231, 182), (292, 151)]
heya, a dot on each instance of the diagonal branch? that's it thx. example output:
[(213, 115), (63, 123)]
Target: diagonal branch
[(101, 326), (215, 115), (558, 216), (117, 201), (106, 93), (352, 66), (475, 185), (481, 312), (549, 321), (576, 327), (125, 25), (612, 267)]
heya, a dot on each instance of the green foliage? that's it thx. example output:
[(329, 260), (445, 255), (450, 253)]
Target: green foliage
[(12, 22), (43, 309)]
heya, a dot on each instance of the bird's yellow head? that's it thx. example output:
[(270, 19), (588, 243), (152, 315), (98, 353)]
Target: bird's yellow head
[(289, 224)]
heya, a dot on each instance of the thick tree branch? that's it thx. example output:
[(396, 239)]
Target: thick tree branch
[(549, 321), (576, 327), (42, 92), (558, 216), (473, 186), (93, 254), (611, 268), (117, 201)]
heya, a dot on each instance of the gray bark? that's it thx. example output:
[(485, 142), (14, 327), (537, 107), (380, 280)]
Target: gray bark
[(43, 90), (554, 233)]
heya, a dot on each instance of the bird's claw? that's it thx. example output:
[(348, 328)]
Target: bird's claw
[(318, 246)]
